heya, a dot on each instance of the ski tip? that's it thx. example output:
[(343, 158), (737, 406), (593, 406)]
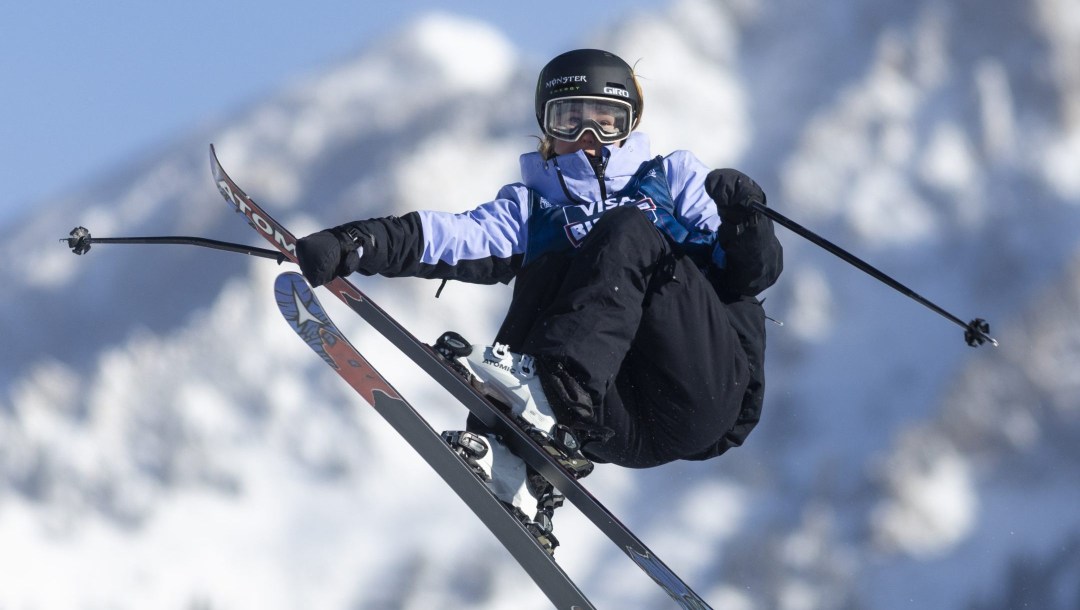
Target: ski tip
[(290, 279), (215, 165)]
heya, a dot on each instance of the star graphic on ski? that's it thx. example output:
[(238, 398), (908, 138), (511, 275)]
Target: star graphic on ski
[(303, 314)]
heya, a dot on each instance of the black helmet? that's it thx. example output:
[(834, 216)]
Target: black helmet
[(588, 73)]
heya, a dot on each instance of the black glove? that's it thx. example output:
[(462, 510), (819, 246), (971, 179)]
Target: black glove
[(748, 258), (332, 253), (733, 192)]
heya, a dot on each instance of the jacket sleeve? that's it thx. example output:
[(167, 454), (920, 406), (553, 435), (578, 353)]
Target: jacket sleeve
[(686, 179), (483, 245)]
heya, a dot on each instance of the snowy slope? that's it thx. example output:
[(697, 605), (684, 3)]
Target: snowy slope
[(166, 442)]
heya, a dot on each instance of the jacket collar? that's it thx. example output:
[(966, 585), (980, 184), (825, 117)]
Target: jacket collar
[(577, 172)]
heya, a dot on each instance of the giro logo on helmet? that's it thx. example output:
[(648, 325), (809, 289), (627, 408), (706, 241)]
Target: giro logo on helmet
[(616, 91)]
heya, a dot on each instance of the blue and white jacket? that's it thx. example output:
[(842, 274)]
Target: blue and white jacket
[(551, 208)]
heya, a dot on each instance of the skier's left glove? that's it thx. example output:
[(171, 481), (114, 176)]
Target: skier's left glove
[(748, 258), (734, 193), (332, 253)]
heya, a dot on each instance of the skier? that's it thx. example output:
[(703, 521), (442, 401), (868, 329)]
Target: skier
[(634, 322)]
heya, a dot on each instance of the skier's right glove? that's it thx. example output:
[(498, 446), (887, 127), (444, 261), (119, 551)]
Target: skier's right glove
[(332, 253)]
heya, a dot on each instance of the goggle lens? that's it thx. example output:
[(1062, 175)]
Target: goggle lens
[(569, 118)]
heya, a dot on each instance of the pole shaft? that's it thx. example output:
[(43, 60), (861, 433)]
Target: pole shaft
[(194, 241), (857, 262)]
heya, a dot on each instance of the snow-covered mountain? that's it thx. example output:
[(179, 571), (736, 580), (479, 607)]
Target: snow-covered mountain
[(166, 442)]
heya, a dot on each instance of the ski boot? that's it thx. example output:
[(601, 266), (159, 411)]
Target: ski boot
[(510, 381), (521, 489)]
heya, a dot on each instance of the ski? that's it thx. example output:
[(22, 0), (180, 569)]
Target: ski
[(307, 317), (434, 365)]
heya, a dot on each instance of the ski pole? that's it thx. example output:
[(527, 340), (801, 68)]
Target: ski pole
[(975, 331), (79, 241)]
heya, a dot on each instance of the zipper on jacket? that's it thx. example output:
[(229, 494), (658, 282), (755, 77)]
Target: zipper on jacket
[(598, 164)]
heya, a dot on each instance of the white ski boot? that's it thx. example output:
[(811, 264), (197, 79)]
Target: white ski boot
[(526, 494), (511, 380)]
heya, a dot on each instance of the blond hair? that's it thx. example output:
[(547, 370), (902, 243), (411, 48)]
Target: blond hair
[(546, 148)]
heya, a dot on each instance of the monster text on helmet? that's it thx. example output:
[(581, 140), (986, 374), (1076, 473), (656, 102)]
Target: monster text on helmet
[(562, 80)]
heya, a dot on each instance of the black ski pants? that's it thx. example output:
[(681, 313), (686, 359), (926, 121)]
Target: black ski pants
[(643, 331)]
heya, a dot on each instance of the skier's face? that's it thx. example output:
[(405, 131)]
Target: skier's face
[(587, 142)]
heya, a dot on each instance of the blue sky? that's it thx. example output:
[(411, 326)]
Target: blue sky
[(86, 87)]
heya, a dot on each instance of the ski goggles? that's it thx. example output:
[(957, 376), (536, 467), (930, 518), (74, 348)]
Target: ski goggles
[(569, 117)]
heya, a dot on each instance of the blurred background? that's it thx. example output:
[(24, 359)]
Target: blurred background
[(167, 442)]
